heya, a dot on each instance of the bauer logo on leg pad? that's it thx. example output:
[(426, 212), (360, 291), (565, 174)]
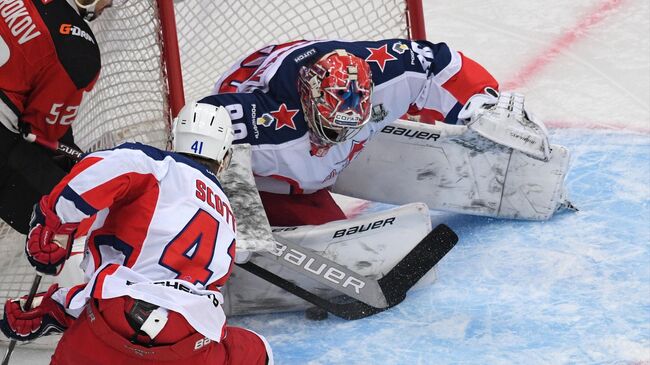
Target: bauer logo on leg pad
[(363, 227), (411, 133)]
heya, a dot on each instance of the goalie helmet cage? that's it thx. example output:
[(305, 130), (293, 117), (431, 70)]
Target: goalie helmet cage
[(156, 54)]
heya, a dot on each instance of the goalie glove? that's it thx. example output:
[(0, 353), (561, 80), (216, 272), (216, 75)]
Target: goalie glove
[(49, 241), (502, 118), (45, 317)]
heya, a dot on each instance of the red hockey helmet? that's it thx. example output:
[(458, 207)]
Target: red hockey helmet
[(335, 95)]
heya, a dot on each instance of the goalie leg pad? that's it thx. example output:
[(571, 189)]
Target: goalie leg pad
[(370, 245), (427, 164)]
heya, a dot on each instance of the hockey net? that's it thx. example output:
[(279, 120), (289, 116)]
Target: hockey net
[(131, 100)]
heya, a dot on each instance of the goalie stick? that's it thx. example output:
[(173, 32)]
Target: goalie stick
[(393, 286), (28, 306)]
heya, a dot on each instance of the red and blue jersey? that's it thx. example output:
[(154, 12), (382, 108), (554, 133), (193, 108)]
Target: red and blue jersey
[(163, 232), (418, 78)]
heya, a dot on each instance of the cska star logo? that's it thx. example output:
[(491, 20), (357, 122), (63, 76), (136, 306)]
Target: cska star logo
[(284, 117), (357, 146), (380, 56)]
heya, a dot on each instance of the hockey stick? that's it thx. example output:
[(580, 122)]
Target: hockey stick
[(28, 306), (327, 272), (55, 146), (65, 150), (393, 286)]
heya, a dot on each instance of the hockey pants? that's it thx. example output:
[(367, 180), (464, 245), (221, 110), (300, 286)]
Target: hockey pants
[(102, 336), (301, 209)]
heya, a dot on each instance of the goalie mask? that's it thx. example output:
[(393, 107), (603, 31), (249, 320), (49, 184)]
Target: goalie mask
[(335, 97), (204, 131)]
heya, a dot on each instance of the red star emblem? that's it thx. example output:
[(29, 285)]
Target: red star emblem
[(380, 55), (284, 117), (356, 148)]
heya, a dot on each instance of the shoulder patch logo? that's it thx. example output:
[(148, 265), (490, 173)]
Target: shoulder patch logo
[(378, 113), (266, 120), (380, 56), (400, 48)]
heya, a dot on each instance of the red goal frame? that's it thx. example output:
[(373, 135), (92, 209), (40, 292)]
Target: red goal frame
[(172, 60)]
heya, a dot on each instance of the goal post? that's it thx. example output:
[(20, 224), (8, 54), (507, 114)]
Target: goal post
[(171, 54), (415, 18), (414, 27)]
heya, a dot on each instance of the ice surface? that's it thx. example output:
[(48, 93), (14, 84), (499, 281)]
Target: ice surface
[(573, 290)]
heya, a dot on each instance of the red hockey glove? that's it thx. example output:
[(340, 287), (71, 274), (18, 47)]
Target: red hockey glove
[(49, 241), (44, 318)]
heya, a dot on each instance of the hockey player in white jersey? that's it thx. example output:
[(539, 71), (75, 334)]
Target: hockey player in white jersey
[(309, 108), (161, 246)]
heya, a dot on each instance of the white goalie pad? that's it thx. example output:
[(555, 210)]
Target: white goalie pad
[(410, 162), (370, 245)]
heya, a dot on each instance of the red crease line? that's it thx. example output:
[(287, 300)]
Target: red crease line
[(561, 43)]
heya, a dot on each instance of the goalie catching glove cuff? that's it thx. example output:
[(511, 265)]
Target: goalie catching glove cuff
[(485, 100), (44, 318), (49, 241), (502, 118)]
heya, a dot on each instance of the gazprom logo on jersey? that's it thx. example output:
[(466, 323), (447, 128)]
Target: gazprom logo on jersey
[(69, 29), (304, 55), (266, 120)]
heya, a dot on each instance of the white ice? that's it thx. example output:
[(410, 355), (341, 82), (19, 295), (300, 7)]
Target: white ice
[(573, 290)]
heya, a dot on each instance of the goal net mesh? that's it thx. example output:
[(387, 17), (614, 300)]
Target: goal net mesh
[(129, 101)]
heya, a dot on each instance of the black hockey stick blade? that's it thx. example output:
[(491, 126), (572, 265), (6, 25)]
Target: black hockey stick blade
[(394, 285), (417, 263)]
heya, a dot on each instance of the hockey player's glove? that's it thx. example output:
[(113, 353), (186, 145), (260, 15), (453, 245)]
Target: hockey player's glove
[(49, 241), (502, 118), (44, 318)]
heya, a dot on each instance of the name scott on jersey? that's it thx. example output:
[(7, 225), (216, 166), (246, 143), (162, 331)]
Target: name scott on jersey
[(205, 194), (15, 15)]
